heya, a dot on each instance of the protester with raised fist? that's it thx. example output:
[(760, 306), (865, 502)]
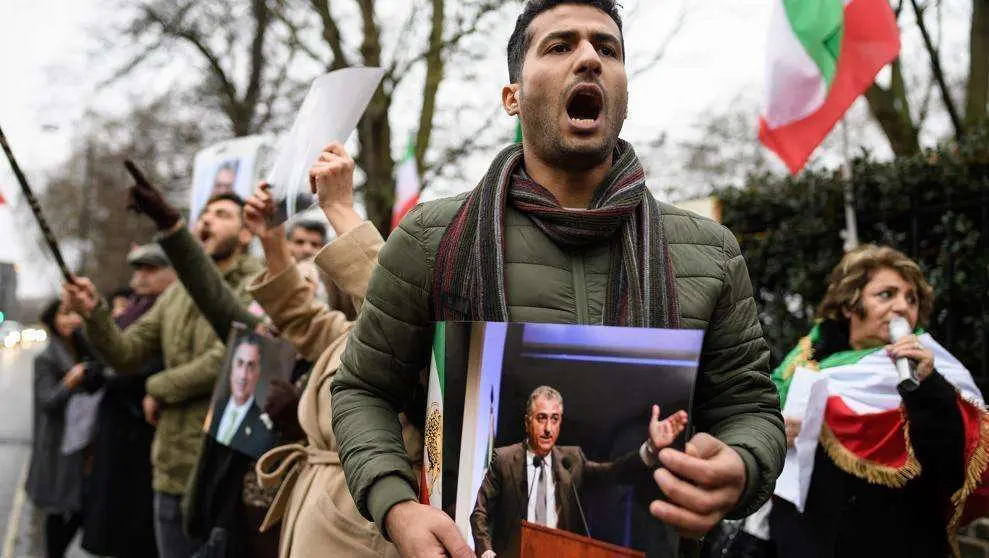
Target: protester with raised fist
[(562, 228), (189, 346)]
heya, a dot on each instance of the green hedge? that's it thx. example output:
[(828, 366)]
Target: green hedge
[(934, 207)]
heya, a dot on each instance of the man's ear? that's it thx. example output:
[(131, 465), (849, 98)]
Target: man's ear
[(510, 99)]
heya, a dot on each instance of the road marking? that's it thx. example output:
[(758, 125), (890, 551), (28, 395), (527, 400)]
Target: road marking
[(13, 526)]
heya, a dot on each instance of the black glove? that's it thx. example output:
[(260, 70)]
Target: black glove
[(144, 198)]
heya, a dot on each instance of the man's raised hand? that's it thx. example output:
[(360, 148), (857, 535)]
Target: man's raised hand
[(703, 485), (257, 211), (662, 433), (421, 531), (332, 177), (144, 198), (80, 296)]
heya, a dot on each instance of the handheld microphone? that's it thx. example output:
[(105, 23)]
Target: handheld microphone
[(898, 329), (567, 464)]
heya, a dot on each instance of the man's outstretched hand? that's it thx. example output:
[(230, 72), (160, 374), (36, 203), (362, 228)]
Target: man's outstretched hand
[(662, 433), (702, 485), (80, 296), (144, 198), (421, 531)]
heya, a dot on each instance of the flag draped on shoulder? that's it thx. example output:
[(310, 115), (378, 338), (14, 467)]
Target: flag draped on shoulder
[(865, 430), (822, 55), (406, 186)]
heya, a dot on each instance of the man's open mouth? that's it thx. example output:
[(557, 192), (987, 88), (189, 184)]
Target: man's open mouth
[(204, 235), (585, 104)]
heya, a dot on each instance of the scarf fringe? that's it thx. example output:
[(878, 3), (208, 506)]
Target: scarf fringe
[(870, 471), (803, 358), (976, 468)]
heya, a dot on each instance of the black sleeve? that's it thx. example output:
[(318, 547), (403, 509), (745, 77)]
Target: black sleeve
[(936, 432)]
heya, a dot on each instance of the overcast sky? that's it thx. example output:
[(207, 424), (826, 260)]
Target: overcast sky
[(716, 60)]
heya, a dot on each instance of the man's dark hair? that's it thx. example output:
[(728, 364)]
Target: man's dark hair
[(250, 338), (518, 44), (225, 197), (308, 225), (228, 197)]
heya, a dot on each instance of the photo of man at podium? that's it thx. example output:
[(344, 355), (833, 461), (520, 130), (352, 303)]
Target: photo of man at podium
[(539, 482)]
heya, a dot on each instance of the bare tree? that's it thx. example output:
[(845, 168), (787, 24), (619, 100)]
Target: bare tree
[(891, 105), (85, 199), (244, 58)]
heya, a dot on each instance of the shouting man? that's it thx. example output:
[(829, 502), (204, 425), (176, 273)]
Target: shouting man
[(562, 228), (179, 396)]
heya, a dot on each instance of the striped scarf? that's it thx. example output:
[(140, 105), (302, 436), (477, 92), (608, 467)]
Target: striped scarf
[(469, 279)]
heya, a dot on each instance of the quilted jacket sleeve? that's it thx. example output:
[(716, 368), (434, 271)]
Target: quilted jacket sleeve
[(736, 399), (127, 350), (380, 371), (191, 380)]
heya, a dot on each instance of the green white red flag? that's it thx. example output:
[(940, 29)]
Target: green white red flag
[(823, 54), (407, 186)]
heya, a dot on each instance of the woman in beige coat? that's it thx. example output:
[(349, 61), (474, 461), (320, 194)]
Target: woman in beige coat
[(315, 507)]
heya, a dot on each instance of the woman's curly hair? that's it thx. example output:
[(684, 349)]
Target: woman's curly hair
[(853, 273)]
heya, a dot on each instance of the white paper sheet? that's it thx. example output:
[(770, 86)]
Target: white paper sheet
[(806, 400), (329, 113)]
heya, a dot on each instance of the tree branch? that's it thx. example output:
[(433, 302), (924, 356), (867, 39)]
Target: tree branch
[(193, 38), (977, 92), (371, 47), (294, 38), (660, 52), (454, 154), (262, 20), (396, 71), (331, 34), (938, 72), (434, 76)]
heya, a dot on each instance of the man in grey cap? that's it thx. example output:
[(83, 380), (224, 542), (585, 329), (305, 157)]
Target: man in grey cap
[(153, 272)]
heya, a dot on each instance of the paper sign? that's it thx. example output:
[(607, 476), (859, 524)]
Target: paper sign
[(806, 400), (329, 113)]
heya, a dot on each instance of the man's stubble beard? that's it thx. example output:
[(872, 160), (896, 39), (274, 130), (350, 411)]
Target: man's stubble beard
[(547, 142), (225, 249)]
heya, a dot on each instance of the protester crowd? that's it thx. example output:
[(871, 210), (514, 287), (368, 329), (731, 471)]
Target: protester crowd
[(560, 229)]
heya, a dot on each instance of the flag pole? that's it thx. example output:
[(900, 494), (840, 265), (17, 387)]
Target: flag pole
[(850, 233), (36, 209)]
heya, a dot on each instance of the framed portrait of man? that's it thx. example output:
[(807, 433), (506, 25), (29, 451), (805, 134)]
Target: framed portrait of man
[(236, 418)]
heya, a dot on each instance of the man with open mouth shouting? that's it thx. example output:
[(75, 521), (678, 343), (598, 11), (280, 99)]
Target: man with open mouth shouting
[(563, 229)]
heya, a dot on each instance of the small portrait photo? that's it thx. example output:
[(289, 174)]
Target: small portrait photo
[(546, 436), (236, 418), (225, 177)]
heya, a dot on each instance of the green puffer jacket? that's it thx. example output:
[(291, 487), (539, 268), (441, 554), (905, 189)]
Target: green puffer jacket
[(193, 357), (735, 400)]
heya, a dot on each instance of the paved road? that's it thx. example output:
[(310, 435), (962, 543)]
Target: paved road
[(20, 525)]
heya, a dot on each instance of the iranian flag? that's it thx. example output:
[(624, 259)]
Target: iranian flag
[(823, 54), (2, 200), (430, 480), (406, 186)]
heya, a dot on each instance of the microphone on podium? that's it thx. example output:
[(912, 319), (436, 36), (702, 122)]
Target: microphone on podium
[(567, 464)]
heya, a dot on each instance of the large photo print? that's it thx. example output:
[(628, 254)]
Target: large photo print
[(555, 427), (236, 418)]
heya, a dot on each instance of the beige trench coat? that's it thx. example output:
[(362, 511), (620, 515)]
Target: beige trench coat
[(317, 512)]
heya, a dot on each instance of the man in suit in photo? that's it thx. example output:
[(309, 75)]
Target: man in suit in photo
[(242, 425), (538, 481)]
